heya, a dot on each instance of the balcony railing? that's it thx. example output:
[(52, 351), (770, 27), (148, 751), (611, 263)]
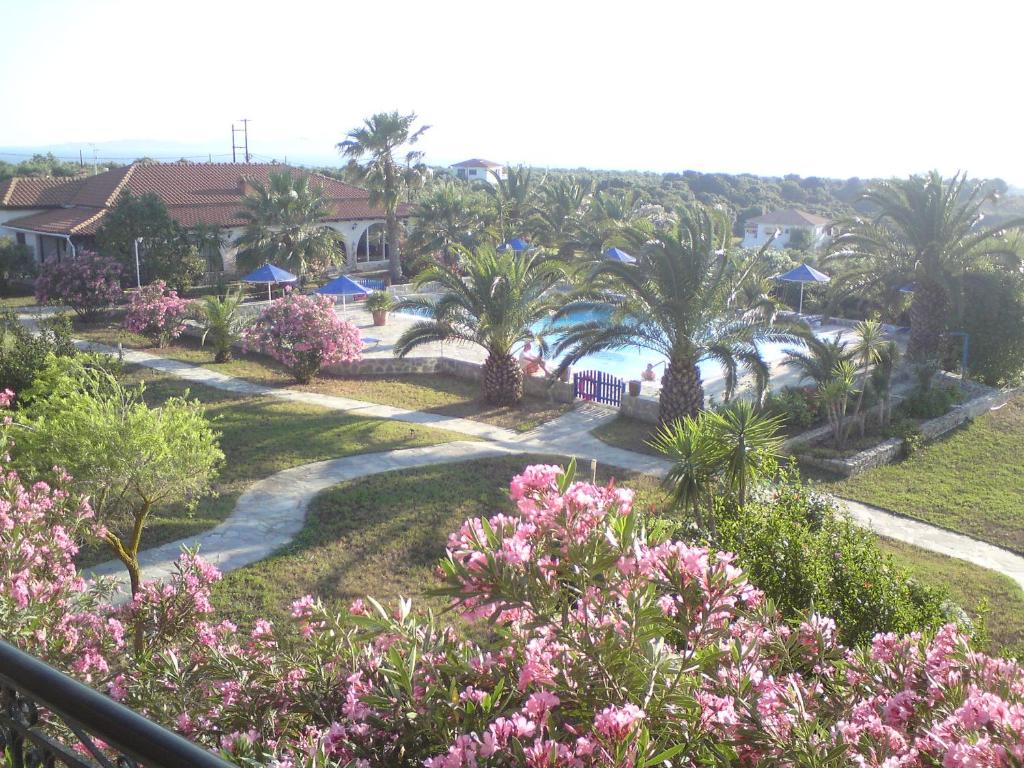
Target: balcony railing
[(42, 711)]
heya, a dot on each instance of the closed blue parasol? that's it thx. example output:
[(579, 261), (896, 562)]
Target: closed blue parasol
[(517, 244), (614, 254), (804, 274), (270, 274), (343, 286)]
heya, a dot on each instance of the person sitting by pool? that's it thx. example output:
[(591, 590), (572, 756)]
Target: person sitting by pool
[(531, 364), (647, 374)]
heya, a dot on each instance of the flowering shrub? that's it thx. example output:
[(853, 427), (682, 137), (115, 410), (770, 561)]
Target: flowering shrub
[(589, 639), (86, 283), (157, 313), (304, 334)]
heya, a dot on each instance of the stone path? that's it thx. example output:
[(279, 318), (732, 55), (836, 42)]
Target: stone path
[(271, 512), (937, 540)]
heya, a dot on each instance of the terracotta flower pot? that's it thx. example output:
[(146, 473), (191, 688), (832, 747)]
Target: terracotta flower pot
[(380, 317), (634, 388)]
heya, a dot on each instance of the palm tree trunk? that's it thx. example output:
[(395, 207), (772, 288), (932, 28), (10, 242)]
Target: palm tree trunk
[(929, 311), (682, 391), (502, 380), (394, 257)]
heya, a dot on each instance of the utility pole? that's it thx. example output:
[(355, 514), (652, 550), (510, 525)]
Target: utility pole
[(244, 146), (245, 132)]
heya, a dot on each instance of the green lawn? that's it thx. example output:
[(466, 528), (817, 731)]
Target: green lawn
[(971, 481), (445, 395), (261, 436), (970, 587), (382, 535), (18, 302), (631, 434)]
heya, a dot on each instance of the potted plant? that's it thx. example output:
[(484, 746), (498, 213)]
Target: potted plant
[(380, 303), (634, 388)]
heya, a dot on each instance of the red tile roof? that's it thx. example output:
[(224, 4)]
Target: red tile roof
[(790, 217), (476, 162), (207, 193)]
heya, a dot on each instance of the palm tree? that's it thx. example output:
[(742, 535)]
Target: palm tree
[(283, 225), (679, 299), (372, 150), (449, 220), (223, 323), (835, 393), (926, 232), (516, 197), (501, 297), (818, 359), (559, 218)]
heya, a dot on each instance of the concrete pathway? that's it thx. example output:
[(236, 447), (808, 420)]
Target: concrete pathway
[(272, 511), (937, 540)]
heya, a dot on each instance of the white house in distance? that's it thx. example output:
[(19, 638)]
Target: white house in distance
[(786, 221), (56, 216), (478, 169)]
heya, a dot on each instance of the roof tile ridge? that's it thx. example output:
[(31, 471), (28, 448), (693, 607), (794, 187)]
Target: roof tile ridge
[(99, 214), (112, 197)]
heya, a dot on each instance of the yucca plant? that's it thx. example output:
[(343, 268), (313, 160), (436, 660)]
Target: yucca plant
[(749, 443), (835, 394), (223, 323), (696, 456), (495, 305), (818, 359)]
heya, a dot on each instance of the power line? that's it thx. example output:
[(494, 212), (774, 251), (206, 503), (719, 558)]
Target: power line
[(76, 159)]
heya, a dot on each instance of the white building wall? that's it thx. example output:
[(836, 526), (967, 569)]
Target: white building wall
[(756, 238), (31, 240)]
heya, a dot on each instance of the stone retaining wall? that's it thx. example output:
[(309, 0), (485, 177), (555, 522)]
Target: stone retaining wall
[(891, 449)]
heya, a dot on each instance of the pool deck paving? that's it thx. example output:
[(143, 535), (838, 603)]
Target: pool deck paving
[(271, 512)]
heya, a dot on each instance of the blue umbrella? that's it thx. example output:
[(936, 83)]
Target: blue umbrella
[(804, 274), (269, 274), (517, 244), (614, 254), (343, 286)]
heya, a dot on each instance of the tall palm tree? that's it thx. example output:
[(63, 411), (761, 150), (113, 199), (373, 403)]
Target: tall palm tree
[(927, 232), (283, 225), (372, 149), (501, 297), (679, 299), (449, 219)]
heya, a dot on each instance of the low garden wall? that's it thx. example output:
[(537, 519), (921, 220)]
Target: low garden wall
[(640, 408), (891, 449)]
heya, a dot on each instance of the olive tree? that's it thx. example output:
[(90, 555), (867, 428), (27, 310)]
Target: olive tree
[(127, 457)]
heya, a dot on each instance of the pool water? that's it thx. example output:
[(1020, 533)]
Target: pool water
[(629, 362)]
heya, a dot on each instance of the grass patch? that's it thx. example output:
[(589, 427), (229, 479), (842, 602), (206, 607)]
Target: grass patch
[(971, 587), (445, 395), (261, 436), (18, 302), (627, 433), (382, 535), (970, 481)]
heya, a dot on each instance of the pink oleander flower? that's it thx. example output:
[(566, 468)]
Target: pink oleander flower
[(156, 312)]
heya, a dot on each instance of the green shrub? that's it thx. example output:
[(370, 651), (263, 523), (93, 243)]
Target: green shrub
[(992, 314), (798, 407), (24, 354), (929, 403), (797, 547)]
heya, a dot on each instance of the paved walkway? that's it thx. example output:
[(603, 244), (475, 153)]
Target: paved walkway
[(272, 511)]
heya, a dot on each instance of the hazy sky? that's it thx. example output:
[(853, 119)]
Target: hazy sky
[(817, 88)]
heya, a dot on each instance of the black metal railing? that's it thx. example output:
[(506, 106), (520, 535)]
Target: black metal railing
[(42, 710)]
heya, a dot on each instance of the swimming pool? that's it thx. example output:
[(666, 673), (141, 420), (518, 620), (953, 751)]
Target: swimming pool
[(629, 362)]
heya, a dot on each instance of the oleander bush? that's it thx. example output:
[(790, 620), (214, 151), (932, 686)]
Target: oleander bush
[(304, 334), (586, 637), (87, 283), (157, 313)]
